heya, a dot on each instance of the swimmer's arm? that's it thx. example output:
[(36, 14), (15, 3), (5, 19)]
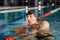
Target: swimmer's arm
[(16, 31), (33, 32), (30, 33), (23, 35)]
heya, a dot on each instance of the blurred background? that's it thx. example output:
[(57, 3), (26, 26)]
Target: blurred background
[(29, 2), (12, 15)]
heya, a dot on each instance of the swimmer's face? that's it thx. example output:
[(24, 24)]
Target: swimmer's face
[(31, 19)]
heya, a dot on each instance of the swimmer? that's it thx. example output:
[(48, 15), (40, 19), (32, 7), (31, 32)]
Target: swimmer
[(39, 31)]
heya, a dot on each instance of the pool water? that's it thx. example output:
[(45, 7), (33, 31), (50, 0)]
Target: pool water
[(53, 19)]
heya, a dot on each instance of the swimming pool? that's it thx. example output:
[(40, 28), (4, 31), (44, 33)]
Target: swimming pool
[(12, 20)]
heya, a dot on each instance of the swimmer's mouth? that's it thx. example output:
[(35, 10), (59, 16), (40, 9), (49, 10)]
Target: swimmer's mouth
[(28, 21)]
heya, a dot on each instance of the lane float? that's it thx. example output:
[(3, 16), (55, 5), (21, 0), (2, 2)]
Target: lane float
[(48, 13)]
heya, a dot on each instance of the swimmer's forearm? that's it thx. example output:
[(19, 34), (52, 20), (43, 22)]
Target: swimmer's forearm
[(28, 37), (23, 35), (33, 32)]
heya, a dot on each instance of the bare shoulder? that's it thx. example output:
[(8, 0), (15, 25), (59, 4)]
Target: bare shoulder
[(45, 25), (45, 22)]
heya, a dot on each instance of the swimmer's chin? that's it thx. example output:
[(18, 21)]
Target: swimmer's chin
[(29, 23)]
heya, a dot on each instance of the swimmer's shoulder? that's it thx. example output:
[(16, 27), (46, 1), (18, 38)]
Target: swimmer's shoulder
[(45, 25)]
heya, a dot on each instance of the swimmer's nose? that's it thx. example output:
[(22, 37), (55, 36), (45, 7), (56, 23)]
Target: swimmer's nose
[(28, 19)]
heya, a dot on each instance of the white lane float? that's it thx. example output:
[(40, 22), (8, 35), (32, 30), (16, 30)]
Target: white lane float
[(23, 9)]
